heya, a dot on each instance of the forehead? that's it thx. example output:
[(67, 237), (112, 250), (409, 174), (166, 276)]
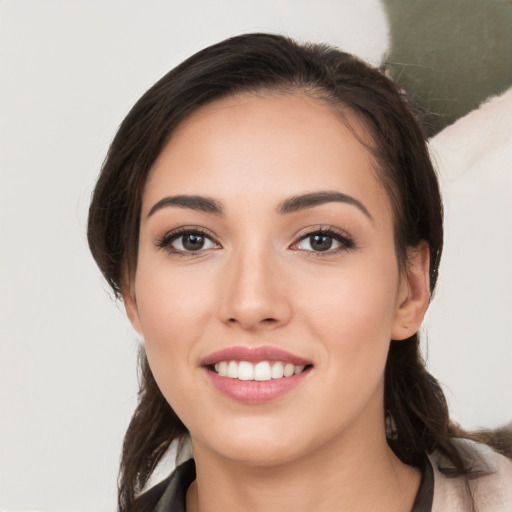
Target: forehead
[(267, 146)]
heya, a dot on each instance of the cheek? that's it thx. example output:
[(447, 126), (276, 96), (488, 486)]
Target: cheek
[(173, 311), (353, 316), (171, 305), (360, 299)]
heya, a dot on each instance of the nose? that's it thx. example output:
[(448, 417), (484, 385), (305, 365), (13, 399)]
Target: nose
[(254, 294)]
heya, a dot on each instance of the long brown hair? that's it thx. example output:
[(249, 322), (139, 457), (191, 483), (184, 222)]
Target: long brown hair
[(255, 62)]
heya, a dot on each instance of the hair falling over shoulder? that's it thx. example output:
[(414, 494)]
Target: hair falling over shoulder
[(152, 429), (256, 62)]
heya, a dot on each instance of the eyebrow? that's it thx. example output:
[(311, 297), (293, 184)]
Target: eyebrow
[(199, 203), (313, 199), (291, 205)]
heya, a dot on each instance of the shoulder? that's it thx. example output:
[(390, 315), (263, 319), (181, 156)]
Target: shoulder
[(148, 500), (170, 494), (491, 486)]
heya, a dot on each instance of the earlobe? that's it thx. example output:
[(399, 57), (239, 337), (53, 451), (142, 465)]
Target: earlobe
[(414, 294), (130, 306)]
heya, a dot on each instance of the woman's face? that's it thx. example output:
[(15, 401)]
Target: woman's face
[(266, 249)]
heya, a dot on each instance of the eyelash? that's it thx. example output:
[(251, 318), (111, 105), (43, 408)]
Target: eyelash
[(347, 242), (166, 241)]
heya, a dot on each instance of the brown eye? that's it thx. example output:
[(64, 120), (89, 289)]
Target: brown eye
[(192, 242), (324, 241), (189, 241), (320, 242)]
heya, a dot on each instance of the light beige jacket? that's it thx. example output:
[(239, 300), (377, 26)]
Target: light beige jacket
[(492, 493)]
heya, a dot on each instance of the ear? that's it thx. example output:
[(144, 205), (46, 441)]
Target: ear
[(130, 306), (414, 293)]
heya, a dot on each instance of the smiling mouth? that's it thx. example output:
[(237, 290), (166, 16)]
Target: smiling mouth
[(255, 375), (260, 371)]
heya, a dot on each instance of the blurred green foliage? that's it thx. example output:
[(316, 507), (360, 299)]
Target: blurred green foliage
[(450, 55)]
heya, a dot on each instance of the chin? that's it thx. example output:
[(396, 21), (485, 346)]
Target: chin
[(258, 456), (261, 446)]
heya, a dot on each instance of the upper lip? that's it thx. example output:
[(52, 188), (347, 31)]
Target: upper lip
[(254, 355)]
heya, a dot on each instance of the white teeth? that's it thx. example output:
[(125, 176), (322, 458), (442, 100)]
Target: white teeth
[(232, 372), (298, 369), (277, 370), (289, 369), (245, 370), (223, 368), (262, 371)]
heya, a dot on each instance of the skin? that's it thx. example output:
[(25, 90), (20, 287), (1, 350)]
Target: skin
[(257, 282)]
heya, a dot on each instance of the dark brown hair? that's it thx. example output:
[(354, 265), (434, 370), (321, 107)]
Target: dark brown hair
[(264, 62)]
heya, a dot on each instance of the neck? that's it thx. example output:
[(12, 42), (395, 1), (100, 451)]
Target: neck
[(355, 476)]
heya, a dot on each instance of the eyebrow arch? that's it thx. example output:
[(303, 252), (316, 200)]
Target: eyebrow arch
[(199, 203), (313, 199)]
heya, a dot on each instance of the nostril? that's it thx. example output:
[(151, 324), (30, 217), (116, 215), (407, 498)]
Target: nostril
[(264, 320)]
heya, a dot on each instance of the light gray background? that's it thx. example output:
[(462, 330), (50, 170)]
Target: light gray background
[(69, 72)]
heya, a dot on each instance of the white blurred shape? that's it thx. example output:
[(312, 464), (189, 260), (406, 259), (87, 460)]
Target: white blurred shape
[(470, 319)]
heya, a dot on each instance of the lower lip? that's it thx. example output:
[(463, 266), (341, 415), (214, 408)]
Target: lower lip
[(253, 391)]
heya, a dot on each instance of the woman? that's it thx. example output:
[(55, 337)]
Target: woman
[(270, 216)]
